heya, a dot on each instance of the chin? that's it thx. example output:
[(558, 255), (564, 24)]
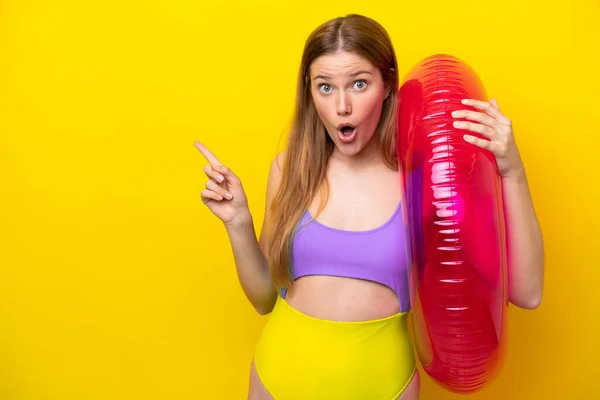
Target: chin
[(350, 149)]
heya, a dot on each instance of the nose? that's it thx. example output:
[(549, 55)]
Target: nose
[(343, 104)]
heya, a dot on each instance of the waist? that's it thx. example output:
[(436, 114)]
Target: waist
[(342, 298), (301, 330)]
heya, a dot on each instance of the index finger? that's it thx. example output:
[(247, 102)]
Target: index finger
[(207, 153)]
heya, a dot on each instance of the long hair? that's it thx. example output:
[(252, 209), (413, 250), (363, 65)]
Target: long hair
[(309, 147)]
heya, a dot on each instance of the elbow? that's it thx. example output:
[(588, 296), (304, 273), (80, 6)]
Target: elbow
[(536, 292), (526, 291), (528, 301), (533, 302), (265, 307), (263, 310)]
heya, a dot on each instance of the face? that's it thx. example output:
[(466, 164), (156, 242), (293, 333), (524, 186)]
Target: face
[(348, 92)]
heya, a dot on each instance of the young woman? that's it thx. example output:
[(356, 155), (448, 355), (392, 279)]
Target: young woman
[(329, 266)]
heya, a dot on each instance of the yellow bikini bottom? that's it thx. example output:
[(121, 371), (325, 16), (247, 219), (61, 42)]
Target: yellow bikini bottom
[(302, 357)]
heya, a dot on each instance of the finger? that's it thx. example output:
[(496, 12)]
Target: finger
[(482, 143), (214, 186), (478, 117), (495, 103), (479, 128), (210, 157), (212, 174), (208, 195), (488, 108), (227, 173)]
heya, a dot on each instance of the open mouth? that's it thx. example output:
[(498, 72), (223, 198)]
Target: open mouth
[(346, 132)]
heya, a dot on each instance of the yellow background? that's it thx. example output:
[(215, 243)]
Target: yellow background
[(117, 283)]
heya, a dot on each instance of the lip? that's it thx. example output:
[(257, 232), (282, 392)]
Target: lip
[(347, 139), (343, 124)]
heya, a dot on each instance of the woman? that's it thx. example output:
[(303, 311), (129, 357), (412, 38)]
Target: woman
[(334, 223)]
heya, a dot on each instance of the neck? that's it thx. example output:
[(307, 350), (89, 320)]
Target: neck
[(369, 156)]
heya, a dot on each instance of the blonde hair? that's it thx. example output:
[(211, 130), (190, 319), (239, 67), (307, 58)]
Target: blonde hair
[(309, 147)]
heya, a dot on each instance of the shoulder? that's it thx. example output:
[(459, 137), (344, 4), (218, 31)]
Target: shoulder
[(276, 168), (273, 181), (275, 172), (278, 161)]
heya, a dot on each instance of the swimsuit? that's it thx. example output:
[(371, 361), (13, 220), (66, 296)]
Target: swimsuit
[(303, 357)]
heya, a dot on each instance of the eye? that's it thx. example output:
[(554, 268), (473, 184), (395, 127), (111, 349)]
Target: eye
[(360, 85), (324, 85)]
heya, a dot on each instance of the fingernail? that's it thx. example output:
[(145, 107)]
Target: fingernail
[(219, 178), (228, 195), (457, 124), (455, 113), (464, 101)]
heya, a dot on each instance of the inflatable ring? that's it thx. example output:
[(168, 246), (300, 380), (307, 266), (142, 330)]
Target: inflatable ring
[(457, 230)]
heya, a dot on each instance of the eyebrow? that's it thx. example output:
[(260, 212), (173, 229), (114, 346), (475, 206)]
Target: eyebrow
[(352, 74)]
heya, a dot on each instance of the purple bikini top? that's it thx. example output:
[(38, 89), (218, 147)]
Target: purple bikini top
[(378, 255)]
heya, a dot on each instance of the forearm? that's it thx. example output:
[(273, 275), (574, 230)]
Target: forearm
[(525, 244), (252, 267)]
